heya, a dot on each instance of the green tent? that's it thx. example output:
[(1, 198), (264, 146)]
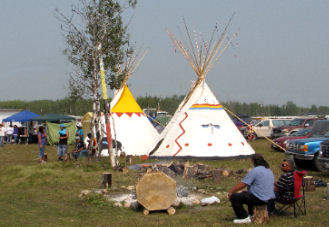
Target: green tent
[(53, 117), (52, 132)]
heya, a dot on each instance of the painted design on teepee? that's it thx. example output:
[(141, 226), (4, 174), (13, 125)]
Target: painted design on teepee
[(126, 104), (211, 126), (176, 140), (206, 106)]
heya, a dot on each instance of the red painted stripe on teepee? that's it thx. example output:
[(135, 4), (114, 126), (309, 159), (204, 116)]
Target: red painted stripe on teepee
[(129, 114), (119, 114), (180, 125)]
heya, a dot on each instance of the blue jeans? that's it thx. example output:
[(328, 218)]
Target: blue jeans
[(41, 151), (83, 153), (9, 138), (75, 155), (1, 140), (16, 138), (62, 149)]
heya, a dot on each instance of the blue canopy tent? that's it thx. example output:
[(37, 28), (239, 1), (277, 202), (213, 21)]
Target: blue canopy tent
[(23, 116)]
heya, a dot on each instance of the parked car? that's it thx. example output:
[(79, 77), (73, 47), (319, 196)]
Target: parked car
[(265, 127), (309, 149), (240, 124), (282, 141), (324, 155), (294, 125)]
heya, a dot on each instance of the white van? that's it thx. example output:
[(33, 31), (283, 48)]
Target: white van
[(265, 127)]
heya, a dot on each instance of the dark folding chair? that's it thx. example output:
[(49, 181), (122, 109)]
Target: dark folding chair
[(298, 203)]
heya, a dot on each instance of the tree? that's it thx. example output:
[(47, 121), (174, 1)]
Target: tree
[(313, 109), (94, 32), (291, 108)]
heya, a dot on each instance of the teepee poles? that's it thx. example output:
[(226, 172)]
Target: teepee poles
[(202, 55), (113, 161), (130, 65)]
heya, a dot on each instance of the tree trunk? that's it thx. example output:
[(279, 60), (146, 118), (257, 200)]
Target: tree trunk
[(98, 126), (113, 160), (94, 115), (260, 215)]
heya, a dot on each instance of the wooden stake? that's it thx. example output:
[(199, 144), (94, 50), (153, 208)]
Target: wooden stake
[(146, 212), (171, 211), (107, 180)]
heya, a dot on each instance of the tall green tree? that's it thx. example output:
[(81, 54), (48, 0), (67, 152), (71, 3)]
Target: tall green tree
[(93, 24), (95, 35)]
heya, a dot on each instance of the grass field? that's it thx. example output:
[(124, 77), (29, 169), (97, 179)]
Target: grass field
[(47, 195)]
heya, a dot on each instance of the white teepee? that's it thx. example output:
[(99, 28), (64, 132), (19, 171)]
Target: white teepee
[(129, 125), (201, 127)]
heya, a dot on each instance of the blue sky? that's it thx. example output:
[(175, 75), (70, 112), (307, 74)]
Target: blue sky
[(283, 50)]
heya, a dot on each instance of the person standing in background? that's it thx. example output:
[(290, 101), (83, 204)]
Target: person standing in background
[(15, 134), (2, 135), (62, 143), (79, 133), (9, 133), (42, 140)]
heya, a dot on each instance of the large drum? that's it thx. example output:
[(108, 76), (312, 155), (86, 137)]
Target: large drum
[(156, 191)]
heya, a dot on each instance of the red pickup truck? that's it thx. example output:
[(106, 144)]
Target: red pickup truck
[(295, 125), (301, 134)]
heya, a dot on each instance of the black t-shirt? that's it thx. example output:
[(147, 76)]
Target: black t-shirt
[(62, 133)]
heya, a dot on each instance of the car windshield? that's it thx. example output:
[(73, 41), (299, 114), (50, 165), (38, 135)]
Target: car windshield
[(241, 123), (296, 122), (287, 122), (320, 129), (278, 123), (302, 132)]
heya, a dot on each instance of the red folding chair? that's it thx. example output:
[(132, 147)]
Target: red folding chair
[(299, 203)]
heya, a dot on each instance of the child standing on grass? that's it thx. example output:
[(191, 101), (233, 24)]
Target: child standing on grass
[(42, 139)]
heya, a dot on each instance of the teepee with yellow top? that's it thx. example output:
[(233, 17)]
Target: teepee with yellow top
[(129, 125)]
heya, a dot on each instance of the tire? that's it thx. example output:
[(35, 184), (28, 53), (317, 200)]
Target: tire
[(319, 165), (298, 162)]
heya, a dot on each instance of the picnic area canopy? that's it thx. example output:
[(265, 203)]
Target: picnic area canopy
[(23, 116), (53, 117)]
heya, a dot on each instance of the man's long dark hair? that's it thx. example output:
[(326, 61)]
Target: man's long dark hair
[(41, 129), (259, 161)]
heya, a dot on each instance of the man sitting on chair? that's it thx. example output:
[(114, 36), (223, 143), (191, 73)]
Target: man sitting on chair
[(284, 187), (80, 150)]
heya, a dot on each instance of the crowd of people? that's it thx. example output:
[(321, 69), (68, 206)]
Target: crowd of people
[(262, 189), (12, 134), (84, 147)]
